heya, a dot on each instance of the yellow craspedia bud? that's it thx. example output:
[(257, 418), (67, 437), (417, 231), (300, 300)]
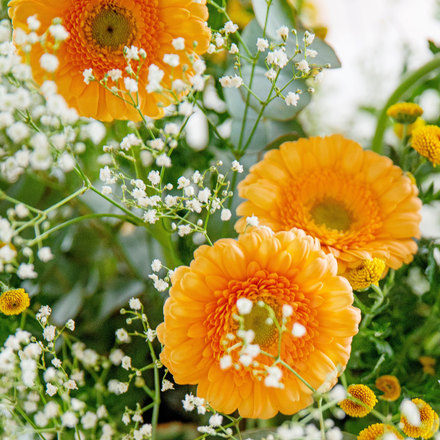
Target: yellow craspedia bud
[(427, 418), (428, 364), (362, 393), (377, 432), (390, 386), (426, 141), (398, 128), (368, 273), (13, 302), (405, 112)]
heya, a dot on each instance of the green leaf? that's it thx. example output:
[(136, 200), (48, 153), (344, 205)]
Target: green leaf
[(433, 47), (280, 14)]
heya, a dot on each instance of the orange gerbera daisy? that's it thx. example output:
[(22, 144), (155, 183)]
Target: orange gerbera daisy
[(287, 268), (99, 31), (357, 203)]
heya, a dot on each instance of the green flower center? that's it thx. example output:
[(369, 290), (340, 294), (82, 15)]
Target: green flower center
[(111, 27), (266, 333), (332, 214)]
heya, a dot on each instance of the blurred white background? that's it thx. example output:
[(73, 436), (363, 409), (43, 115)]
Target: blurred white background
[(373, 40)]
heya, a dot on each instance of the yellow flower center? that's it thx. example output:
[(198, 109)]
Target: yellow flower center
[(266, 332), (332, 214), (111, 27)]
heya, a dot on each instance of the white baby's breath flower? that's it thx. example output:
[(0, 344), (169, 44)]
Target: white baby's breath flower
[(179, 43), (167, 385), (70, 324), (262, 44), (308, 38), (225, 215), (88, 75), (283, 32), (292, 99), (270, 74), (234, 49), (303, 66), (135, 304), (244, 306), (237, 167), (49, 333), (122, 335), (70, 385), (252, 221), (49, 62), (298, 330), (126, 363), (45, 254), (172, 60), (51, 390)]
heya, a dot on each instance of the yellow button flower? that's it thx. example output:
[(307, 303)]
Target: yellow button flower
[(427, 418), (426, 141), (367, 273), (390, 386), (428, 364), (13, 302), (378, 431), (405, 112), (362, 393)]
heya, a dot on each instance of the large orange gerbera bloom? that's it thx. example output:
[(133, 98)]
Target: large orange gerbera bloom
[(99, 31), (287, 268), (357, 203)]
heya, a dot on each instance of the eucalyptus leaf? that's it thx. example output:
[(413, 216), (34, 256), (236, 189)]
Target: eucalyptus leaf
[(261, 86), (326, 54), (280, 14)]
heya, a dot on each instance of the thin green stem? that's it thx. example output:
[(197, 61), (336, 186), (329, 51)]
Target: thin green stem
[(296, 374), (397, 94), (73, 221)]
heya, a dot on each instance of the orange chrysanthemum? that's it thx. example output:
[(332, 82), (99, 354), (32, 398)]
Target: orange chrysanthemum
[(390, 386), (377, 432), (357, 203), (99, 31), (287, 268), (427, 418), (362, 393)]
